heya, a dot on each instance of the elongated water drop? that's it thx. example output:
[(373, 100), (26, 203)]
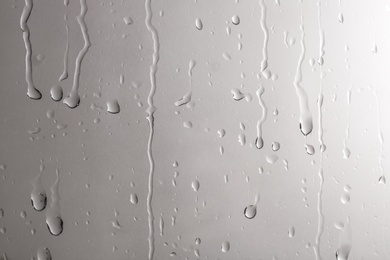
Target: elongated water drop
[(54, 220), (38, 194), (198, 24)]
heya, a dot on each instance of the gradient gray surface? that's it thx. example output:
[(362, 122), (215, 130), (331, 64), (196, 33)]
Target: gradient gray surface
[(192, 178)]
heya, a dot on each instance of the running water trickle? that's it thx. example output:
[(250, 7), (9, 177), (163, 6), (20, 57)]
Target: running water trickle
[(259, 140), (54, 220), (73, 100), (264, 62), (305, 117), (320, 224), (150, 111), (187, 97), (32, 92), (38, 194), (64, 74)]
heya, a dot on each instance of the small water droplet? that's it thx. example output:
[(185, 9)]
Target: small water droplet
[(128, 20), (275, 146), (309, 149), (250, 211), (382, 179), (134, 198), (225, 247), (271, 159), (345, 198), (198, 24), (113, 107), (237, 94), (187, 124), (291, 232), (236, 20), (195, 185)]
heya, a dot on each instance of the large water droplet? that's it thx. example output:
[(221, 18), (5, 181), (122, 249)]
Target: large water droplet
[(43, 254), (56, 92), (34, 93), (309, 149), (275, 146), (250, 211), (113, 107), (73, 100), (55, 224)]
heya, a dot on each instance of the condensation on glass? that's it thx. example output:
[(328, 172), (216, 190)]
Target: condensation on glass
[(218, 129)]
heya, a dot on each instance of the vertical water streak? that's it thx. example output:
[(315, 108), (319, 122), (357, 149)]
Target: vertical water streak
[(73, 100), (264, 62), (305, 117), (259, 140), (320, 225), (32, 92), (64, 74), (53, 215), (150, 111)]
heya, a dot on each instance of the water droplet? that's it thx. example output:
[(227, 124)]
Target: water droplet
[(187, 124), (236, 20), (73, 100), (271, 159), (184, 100), (291, 232), (237, 94), (341, 18), (38, 194), (250, 211), (50, 113), (241, 139), (221, 133), (259, 143), (225, 247), (382, 179), (198, 24), (275, 146), (346, 153), (345, 198), (134, 198), (226, 56), (309, 149), (43, 254), (56, 93), (128, 20), (195, 185), (55, 224), (198, 241), (113, 107), (54, 220)]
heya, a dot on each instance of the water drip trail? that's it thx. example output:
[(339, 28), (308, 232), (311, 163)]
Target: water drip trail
[(259, 139), (264, 62), (305, 117), (320, 225), (64, 74), (150, 111), (73, 100), (32, 92)]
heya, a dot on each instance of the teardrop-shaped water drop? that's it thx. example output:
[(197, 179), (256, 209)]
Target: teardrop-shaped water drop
[(198, 24), (250, 211)]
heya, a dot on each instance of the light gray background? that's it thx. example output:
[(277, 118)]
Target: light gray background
[(101, 163)]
